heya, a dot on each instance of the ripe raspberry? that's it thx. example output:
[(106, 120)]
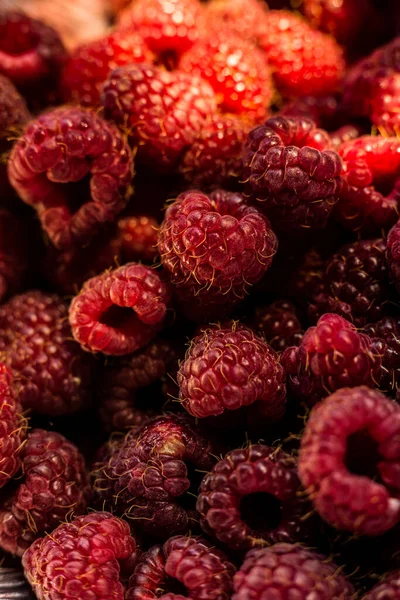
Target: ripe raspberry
[(12, 427), (54, 375), (192, 562), (81, 559), (388, 588), (75, 170), (387, 332), (227, 367), (242, 17), (332, 355), (384, 105), (288, 165), (138, 237), (304, 60), (161, 111), (289, 571), (119, 311), (279, 324), (371, 197), (349, 460), (89, 65), (55, 485), (345, 134), (14, 254), (323, 110)]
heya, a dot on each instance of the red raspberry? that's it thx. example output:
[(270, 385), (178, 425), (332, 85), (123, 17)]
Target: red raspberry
[(81, 559), (371, 197), (279, 324), (304, 60), (75, 170), (227, 367), (242, 17), (345, 134), (138, 237), (119, 311), (332, 355), (14, 254), (384, 104), (349, 460), (192, 562), (12, 427), (387, 331), (161, 111), (387, 589), (288, 165), (55, 485), (89, 65), (393, 253), (289, 571), (54, 375)]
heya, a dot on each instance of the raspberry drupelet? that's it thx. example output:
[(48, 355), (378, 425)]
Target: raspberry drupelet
[(54, 486), (387, 333), (75, 170), (138, 238), (289, 571), (189, 562), (119, 311), (81, 558), (12, 427), (387, 589), (242, 17), (289, 167), (279, 324), (332, 355), (393, 254)]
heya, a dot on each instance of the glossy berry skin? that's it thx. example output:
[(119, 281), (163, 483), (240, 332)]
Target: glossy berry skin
[(386, 589), (12, 427), (289, 571), (288, 166), (138, 238), (81, 558), (242, 17), (332, 355), (66, 146), (393, 254), (387, 333), (279, 324), (345, 496), (54, 485), (119, 311)]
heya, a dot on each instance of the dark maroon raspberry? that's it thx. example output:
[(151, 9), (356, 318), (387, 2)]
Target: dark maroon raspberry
[(393, 254), (192, 563), (119, 311), (55, 484), (350, 459), (286, 571), (12, 427), (332, 355), (289, 167), (387, 589), (138, 237), (75, 170), (323, 110), (81, 559), (14, 254), (279, 324), (54, 375), (227, 367), (387, 333)]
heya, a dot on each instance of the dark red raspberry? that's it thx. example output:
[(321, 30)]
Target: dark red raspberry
[(289, 571), (189, 562), (55, 484), (162, 111), (323, 110), (138, 238), (332, 355), (75, 170), (289, 167), (393, 253), (387, 589), (305, 279), (119, 311), (15, 253), (81, 559), (12, 427), (350, 459), (243, 17), (279, 324), (387, 331), (54, 375), (227, 367), (371, 197)]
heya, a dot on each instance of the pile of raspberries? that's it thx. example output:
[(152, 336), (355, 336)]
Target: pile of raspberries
[(200, 303)]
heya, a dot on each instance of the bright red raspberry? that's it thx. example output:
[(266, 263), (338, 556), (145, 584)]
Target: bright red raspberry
[(138, 238), (387, 589), (80, 558), (55, 484), (289, 571), (279, 324), (345, 134), (393, 253), (289, 167), (12, 427), (203, 571), (162, 111), (387, 332), (227, 367), (15, 254), (350, 458), (242, 17), (75, 170), (332, 355), (54, 374), (119, 311)]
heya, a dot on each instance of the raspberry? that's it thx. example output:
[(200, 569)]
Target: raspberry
[(242, 17), (227, 367), (288, 165), (119, 311), (323, 110), (13, 584), (387, 331), (54, 375), (278, 323), (304, 60), (345, 134), (89, 65), (237, 71), (75, 170), (370, 200), (12, 427), (388, 588), (349, 460), (138, 236), (332, 355), (191, 562), (252, 497), (55, 484), (81, 559), (14, 254), (162, 111), (289, 571)]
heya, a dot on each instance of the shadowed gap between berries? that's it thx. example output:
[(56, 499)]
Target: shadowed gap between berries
[(362, 455), (189, 498), (122, 318), (261, 511)]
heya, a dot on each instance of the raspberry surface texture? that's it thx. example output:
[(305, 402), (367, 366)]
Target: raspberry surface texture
[(279, 324), (138, 236), (387, 332), (243, 17), (393, 254), (388, 588), (12, 427)]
